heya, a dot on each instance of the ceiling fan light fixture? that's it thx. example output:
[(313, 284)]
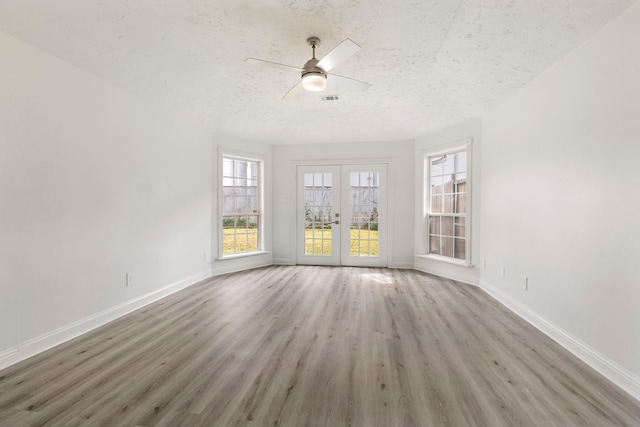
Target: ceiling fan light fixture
[(314, 81)]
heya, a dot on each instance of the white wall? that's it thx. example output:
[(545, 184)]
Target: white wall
[(560, 182), (94, 184), (401, 188), (467, 130)]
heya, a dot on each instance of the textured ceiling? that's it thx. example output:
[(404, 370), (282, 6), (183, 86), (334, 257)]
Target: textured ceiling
[(430, 62)]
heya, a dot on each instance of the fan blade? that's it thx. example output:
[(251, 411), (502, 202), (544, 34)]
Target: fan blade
[(294, 91), (335, 82), (254, 61), (338, 55)]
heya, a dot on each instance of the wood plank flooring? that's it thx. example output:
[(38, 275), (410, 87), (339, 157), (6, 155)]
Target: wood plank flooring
[(314, 346)]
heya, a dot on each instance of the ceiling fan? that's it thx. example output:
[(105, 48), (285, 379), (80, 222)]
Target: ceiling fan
[(315, 75)]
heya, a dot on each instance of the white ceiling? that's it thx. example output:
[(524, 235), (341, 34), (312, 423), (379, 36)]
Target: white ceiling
[(430, 62)]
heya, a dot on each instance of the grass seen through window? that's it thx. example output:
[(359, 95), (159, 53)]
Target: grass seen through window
[(361, 242)]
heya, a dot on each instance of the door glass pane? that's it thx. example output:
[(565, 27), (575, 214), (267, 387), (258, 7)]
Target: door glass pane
[(326, 246), (308, 246), (317, 212), (363, 207)]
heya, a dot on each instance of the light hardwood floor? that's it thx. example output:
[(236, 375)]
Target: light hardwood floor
[(314, 346)]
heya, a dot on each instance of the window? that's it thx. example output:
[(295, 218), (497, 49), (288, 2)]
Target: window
[(240, 205), (446, 205)]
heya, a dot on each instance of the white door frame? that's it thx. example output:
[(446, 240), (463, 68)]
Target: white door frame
[(341, 235), (321, 198), (346, 258)]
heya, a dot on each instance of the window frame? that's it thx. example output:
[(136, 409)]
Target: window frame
[(223, 154), (464, 145)]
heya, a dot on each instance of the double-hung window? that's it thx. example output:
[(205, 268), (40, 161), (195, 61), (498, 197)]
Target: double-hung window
[(240, 210), (446, 189)]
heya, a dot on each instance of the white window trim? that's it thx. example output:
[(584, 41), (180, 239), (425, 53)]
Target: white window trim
[(465, 144), (239, 155)]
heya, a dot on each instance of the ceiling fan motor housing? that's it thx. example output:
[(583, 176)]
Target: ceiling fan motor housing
[(314, 79)]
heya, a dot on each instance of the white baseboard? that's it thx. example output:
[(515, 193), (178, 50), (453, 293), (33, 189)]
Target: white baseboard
[(469, 279), (226, 268), (401, 265), (288, 261), (58, 336), (8, 357), (605, 366), (284, 261)]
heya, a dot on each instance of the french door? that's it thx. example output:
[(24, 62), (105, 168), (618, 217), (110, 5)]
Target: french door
[(341, 215)]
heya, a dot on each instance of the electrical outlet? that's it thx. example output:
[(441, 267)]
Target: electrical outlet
[(484, 264), (502, 272), (525, 283), (204, 256), (128, 279)]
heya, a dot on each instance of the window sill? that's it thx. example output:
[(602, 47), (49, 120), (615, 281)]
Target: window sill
[(447, 260), (242, 255)]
